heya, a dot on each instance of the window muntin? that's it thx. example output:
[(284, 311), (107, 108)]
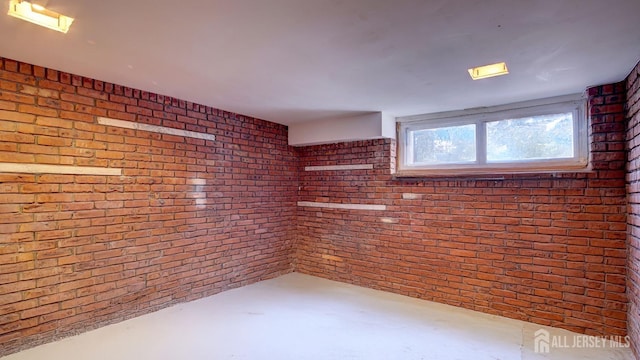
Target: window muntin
[(546, 135)]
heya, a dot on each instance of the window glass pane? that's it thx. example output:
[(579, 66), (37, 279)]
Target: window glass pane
[(445, 145), (530, 138)]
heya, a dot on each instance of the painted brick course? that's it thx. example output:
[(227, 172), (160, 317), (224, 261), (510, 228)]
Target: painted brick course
[(188, 218), (548, 249), (633, 192)]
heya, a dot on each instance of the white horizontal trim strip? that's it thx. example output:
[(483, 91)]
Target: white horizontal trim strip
[(411, 196), (339, 167), (155, 128), (57, 169), (197, 181), (389, 220), (342, 206)]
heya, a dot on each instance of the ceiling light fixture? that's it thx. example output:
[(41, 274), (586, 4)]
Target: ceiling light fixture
[(487, 71), (37, 14)]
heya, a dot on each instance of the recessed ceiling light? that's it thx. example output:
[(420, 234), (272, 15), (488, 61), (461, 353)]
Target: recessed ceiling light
[(487, 71), (37, 14)]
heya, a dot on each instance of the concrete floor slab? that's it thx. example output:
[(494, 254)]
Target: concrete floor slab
[(301, 317)]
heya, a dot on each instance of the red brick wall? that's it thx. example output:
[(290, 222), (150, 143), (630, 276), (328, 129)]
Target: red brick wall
[(78, 252), (540, 248), (633, 189)]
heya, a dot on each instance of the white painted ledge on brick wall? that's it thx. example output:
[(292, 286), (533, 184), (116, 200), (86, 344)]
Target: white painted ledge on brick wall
[(339, 167), (154, 128), (342, 206), (57, 169), (411, 196)]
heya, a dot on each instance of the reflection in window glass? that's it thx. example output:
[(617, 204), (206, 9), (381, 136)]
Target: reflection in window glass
[(445, 145), (530, 138)]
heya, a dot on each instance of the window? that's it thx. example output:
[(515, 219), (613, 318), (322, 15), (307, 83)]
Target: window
[(545, 135)]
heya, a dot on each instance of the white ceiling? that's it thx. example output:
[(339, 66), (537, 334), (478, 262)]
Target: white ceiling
[(301, 60)]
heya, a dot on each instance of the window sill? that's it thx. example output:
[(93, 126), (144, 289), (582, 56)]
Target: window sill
[(487, 173)]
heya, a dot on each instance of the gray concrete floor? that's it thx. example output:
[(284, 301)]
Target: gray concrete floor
[(303, 317)]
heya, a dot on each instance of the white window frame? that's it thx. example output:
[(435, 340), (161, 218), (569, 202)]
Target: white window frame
[(481, 116)]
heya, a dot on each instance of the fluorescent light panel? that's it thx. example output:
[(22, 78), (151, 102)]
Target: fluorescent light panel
[(487, 71), (37, 14)]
